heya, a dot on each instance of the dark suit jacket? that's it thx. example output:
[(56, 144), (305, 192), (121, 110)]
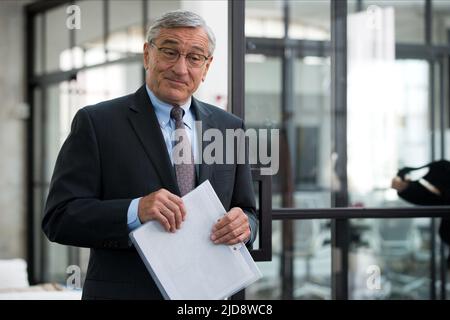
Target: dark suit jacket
[(115, 152)]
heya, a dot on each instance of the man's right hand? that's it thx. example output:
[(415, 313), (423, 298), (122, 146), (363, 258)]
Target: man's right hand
[(399, 184), (163, 206)]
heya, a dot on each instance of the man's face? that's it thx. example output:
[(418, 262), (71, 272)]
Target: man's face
[(175, 82)]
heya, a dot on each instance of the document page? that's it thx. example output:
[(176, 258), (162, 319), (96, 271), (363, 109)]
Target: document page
[(187, 264)]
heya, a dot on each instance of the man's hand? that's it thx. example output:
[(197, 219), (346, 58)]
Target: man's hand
[(399, 184), (231, 228), (163, 206)]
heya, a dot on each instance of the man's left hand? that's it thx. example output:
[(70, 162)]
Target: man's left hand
[(231, 228)]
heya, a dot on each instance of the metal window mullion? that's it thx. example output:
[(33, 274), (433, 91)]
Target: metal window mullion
[(359, 5), (43, 6), (29, 46), (428, 17), (236, 69), (428, 23), (288, 133), (361, 213), (105, 27), (433, 157), (340, 227), (236, 57), (73, 252), (431, 61), (144, 29), (442, 255)]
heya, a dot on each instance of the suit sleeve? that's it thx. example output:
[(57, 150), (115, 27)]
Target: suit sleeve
[(417, 194), (244, 196), (74, 213)]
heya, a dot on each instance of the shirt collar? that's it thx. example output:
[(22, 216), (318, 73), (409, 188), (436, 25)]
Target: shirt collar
[(162, 110)]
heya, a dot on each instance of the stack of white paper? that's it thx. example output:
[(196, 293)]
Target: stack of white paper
[(187, 264)]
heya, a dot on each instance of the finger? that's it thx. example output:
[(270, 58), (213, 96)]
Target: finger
[(235, 224), (226, 219), (234, 236), (163, 221), (173, 207), (179, 202), (170, 216), (233, 227), (233, 219), (241, 238)]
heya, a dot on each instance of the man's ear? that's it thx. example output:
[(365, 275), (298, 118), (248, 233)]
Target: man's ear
[(146, 55), (207, 68)]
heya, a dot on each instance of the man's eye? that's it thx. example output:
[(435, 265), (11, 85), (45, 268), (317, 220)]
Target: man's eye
[(195, 58), (170, 53)]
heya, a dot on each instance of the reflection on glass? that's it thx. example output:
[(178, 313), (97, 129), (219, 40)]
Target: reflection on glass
[(89, 40), (108, 82), (309, 20), (125, 31), (37, 50), (409, 18), (54, 255), (311, 263), (56, 38), (309, 139), (128, 42), (310, 145), (390, 259), (441, 18), (312, 259), (269, 286), (264, 19), (262, 91), (262, 96)]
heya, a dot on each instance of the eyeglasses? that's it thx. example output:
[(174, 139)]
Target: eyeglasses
[(195, 60)]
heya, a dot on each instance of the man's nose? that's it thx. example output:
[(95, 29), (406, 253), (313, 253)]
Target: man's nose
[(180, 67)]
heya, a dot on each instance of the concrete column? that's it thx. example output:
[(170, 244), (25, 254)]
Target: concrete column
[(12, 131)]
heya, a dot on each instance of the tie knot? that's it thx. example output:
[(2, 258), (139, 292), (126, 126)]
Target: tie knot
[(177, 113)]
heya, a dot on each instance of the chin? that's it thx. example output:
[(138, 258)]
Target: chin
[(176, 96)]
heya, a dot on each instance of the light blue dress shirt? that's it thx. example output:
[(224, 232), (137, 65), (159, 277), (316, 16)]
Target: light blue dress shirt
[(167, 125)]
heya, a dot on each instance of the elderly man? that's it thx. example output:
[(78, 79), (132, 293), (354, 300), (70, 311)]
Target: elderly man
[(118, 169)]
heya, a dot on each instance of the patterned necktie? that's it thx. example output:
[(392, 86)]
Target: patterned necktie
[(184, 163)]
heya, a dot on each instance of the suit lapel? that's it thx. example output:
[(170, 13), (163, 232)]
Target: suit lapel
[(145, 124), (203, 115)]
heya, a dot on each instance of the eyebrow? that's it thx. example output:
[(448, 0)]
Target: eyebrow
[(168, 41), (175, 42)]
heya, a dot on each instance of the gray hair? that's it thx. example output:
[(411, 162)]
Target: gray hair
[(180, 19)]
